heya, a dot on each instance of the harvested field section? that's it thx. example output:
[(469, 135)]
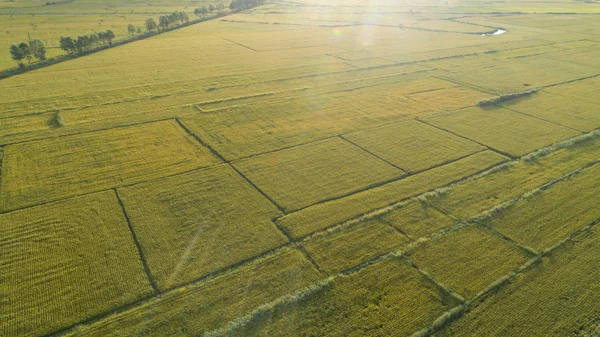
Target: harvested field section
[(468, 260), (66, 262), (558, 297), (354, 245), (52, 169), (389, 298), (501, 129), (571, 113), (303, 175), (487, 191), (412, 145), (417, 219), (206, 306), (194, 224), (450, 99), (330, 213), (551, 215)]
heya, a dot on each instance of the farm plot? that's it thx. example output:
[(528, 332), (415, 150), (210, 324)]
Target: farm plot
[(450, 99), (51, 169), (559, 297), (78, 251), (196, 223), (518, 75), (417, 219), (468, 260), (574, 154), (307, 174), (323, 215), (484, 192), (206, 306), (258, 128), (547, 217), (438, 54), (413, 146), (501, 129), (574, 114), (584, 90), (389, 298), (354, 245)]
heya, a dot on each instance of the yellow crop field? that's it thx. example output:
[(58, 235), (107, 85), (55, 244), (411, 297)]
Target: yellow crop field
[(558, 298), (61, 167), (299, 168), (307, 174), (352, 246), (206, 306), (389, 298), (544, 219), (502, 129), (320, 216), (209, 219), (56, 246), (417, 219), (468, 260), (413, 146), (574, 114)]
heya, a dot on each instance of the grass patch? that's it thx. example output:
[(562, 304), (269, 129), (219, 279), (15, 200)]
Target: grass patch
[(506, 97)]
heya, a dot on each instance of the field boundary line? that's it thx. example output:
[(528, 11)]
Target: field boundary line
[(540, 119), (239, 44), (375, 185), (372, 154), (467, 138), (203, 143), (309, 257), (137, 244)]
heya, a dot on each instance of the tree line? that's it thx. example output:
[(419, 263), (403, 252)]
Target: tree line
[(86, 42), (36, 49)]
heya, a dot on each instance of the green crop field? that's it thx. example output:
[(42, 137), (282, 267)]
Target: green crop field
[(300, 168)]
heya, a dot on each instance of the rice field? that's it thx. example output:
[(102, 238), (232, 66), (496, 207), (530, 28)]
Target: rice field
[(303, 168)]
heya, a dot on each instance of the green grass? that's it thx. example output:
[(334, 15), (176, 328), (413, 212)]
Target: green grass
[(66, 262)]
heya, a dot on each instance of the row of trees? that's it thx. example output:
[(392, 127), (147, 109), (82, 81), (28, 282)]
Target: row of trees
[(82, 43), (22, 51), (166, 21), (238, 5), (86, 42), (203, 11)]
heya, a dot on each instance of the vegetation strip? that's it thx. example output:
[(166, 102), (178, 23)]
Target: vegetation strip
[(506, 97)]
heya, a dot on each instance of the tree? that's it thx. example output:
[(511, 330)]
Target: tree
[(16, 54), (220, 7), (109, 36), (25, 51), (38, 49), (131, 29), (151, 24), (82, 43), (67, 44), (94, 39), (139, 31), (204, 10), (197, 12), (163, 22), (211, 8)]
